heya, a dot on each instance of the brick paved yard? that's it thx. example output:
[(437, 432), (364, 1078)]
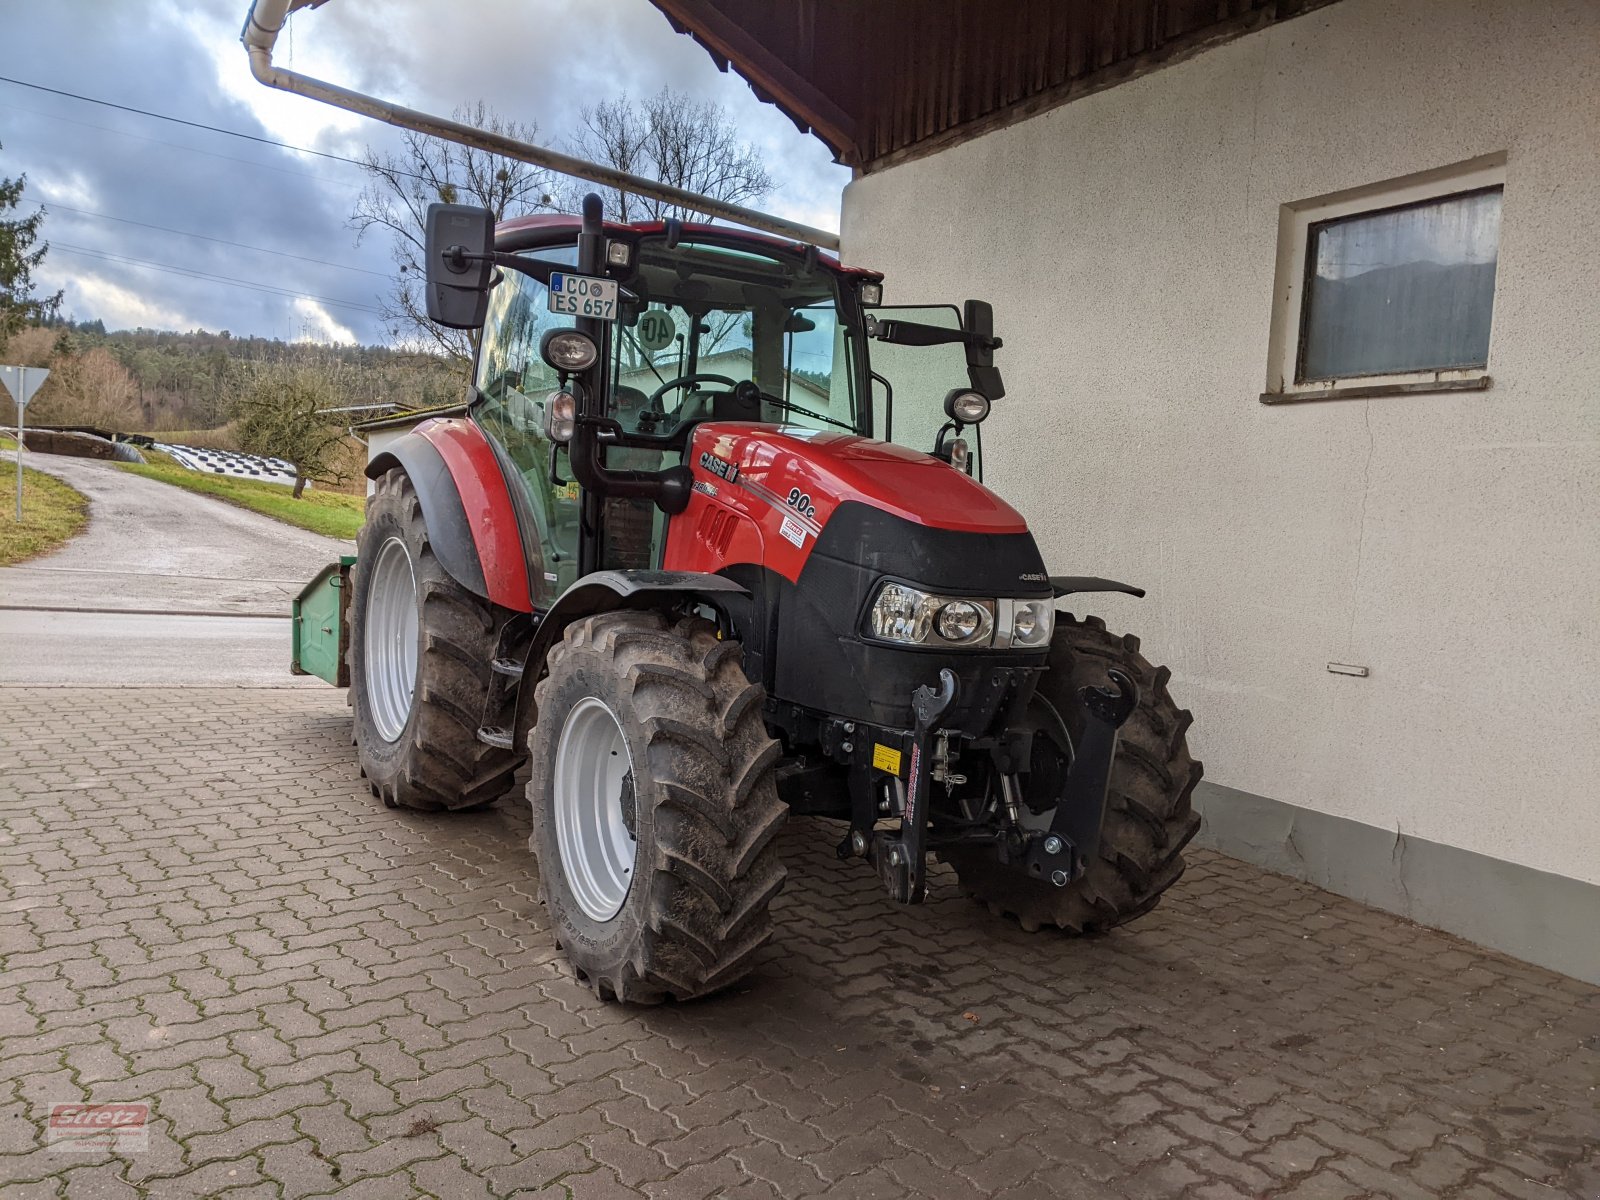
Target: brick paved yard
[(203, 908)]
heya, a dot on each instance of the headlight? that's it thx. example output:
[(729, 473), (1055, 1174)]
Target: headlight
[(1026, 624), (902, 613), (568, 350), (964, 622)]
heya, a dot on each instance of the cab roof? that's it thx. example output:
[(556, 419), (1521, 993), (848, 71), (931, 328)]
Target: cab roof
[(543, 229)]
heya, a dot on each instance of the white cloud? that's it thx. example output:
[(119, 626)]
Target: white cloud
[(317, 324), (72, 188), (119, 307)]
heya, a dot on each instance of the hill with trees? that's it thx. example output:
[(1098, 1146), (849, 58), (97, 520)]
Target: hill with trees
[(156, 381)]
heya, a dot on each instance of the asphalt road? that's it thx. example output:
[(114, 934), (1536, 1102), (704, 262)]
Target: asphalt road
[(166, 588)]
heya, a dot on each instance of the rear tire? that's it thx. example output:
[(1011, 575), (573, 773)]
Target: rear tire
[(418, 742), (661, 724), (1148, 817)]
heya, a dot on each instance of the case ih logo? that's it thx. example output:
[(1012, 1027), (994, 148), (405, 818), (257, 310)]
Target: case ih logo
[(720, 467), (92, 1127)]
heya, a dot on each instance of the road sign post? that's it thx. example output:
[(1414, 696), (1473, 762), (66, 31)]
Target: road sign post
[(22, 383)]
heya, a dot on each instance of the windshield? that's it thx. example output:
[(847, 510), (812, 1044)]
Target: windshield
[(709, 318)]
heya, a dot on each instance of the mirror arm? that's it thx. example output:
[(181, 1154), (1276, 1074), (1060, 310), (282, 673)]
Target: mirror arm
[(913, 333)]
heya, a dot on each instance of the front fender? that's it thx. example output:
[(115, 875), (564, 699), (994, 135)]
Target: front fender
[(1066, 585), (603, 591)]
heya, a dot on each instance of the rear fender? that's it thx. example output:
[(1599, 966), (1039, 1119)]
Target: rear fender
[(472, 526), (605, 591)]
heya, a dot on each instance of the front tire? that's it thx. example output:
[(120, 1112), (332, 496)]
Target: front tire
[(420, 649), (655, 807), (1148, 818)]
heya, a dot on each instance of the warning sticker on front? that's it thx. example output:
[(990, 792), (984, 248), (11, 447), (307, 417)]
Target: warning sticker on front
[(793, 531), (885, 759)]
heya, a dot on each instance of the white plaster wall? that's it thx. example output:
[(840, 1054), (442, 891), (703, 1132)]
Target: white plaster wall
[(1451, 543)]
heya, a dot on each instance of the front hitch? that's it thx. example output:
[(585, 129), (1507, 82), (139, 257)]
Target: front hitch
[(1073, 839), (903, 862)]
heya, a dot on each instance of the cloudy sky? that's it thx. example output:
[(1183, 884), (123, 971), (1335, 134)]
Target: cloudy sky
[(172, 187)]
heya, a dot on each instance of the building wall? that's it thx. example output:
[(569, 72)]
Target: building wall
[(1450, 543)]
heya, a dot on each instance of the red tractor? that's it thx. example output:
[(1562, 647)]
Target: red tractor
[(709, 547)]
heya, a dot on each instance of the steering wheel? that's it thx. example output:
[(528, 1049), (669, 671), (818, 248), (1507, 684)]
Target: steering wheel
[(654, 400)]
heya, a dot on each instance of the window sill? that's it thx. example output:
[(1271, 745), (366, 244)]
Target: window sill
[(1477, 383)]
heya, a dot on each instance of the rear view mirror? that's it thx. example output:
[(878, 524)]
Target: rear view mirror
[(459, 255), (978, 319)]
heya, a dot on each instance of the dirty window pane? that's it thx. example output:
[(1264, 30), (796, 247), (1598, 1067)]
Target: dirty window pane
[(1406, 289)]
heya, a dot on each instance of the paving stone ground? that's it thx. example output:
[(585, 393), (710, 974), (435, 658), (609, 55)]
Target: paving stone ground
[(201, 907)]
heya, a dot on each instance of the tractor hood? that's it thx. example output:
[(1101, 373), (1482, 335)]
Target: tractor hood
[(814, 524), (806, 474)]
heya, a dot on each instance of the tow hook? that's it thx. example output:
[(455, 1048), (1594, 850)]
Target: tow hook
[(1064, 852), (902, 862)]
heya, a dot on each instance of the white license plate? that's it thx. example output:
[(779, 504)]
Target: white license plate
[(583, 296)]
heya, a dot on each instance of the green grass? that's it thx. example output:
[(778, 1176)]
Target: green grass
[(52, 512), (335, 514)]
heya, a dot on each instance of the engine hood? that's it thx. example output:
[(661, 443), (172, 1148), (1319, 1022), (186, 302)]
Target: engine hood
[(811, 473)]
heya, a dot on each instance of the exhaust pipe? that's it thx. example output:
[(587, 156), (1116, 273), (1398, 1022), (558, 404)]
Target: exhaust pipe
[(266, 20)]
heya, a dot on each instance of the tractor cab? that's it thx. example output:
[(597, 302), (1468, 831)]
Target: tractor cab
[(697, 324)]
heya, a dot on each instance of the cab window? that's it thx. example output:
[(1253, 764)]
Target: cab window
[(921, 377), (709, 318)]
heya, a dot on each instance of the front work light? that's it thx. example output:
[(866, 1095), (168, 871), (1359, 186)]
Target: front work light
[(568, 351), (966, 406), (560, 417), (871, 294)]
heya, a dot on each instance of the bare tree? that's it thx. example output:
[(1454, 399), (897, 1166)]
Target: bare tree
[(670, 138), (673, 139), (401, 186), (281, 411), (92, 388)]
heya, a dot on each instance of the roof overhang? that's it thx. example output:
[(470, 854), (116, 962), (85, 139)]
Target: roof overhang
[(883, 81)]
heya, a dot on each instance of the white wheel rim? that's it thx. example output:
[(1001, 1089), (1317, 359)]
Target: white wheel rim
[(597, 851), (390, 652)]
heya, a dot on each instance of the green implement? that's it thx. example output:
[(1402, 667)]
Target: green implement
[(321, 624)]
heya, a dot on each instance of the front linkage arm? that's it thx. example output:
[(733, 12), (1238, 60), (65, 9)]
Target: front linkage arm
[(1073, 839), (903, 862)]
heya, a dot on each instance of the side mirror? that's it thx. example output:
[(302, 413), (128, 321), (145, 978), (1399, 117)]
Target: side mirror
[(977, 318), (460, 261)]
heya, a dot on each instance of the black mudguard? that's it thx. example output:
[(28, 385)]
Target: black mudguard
[(603, 591), (1066, 585)]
